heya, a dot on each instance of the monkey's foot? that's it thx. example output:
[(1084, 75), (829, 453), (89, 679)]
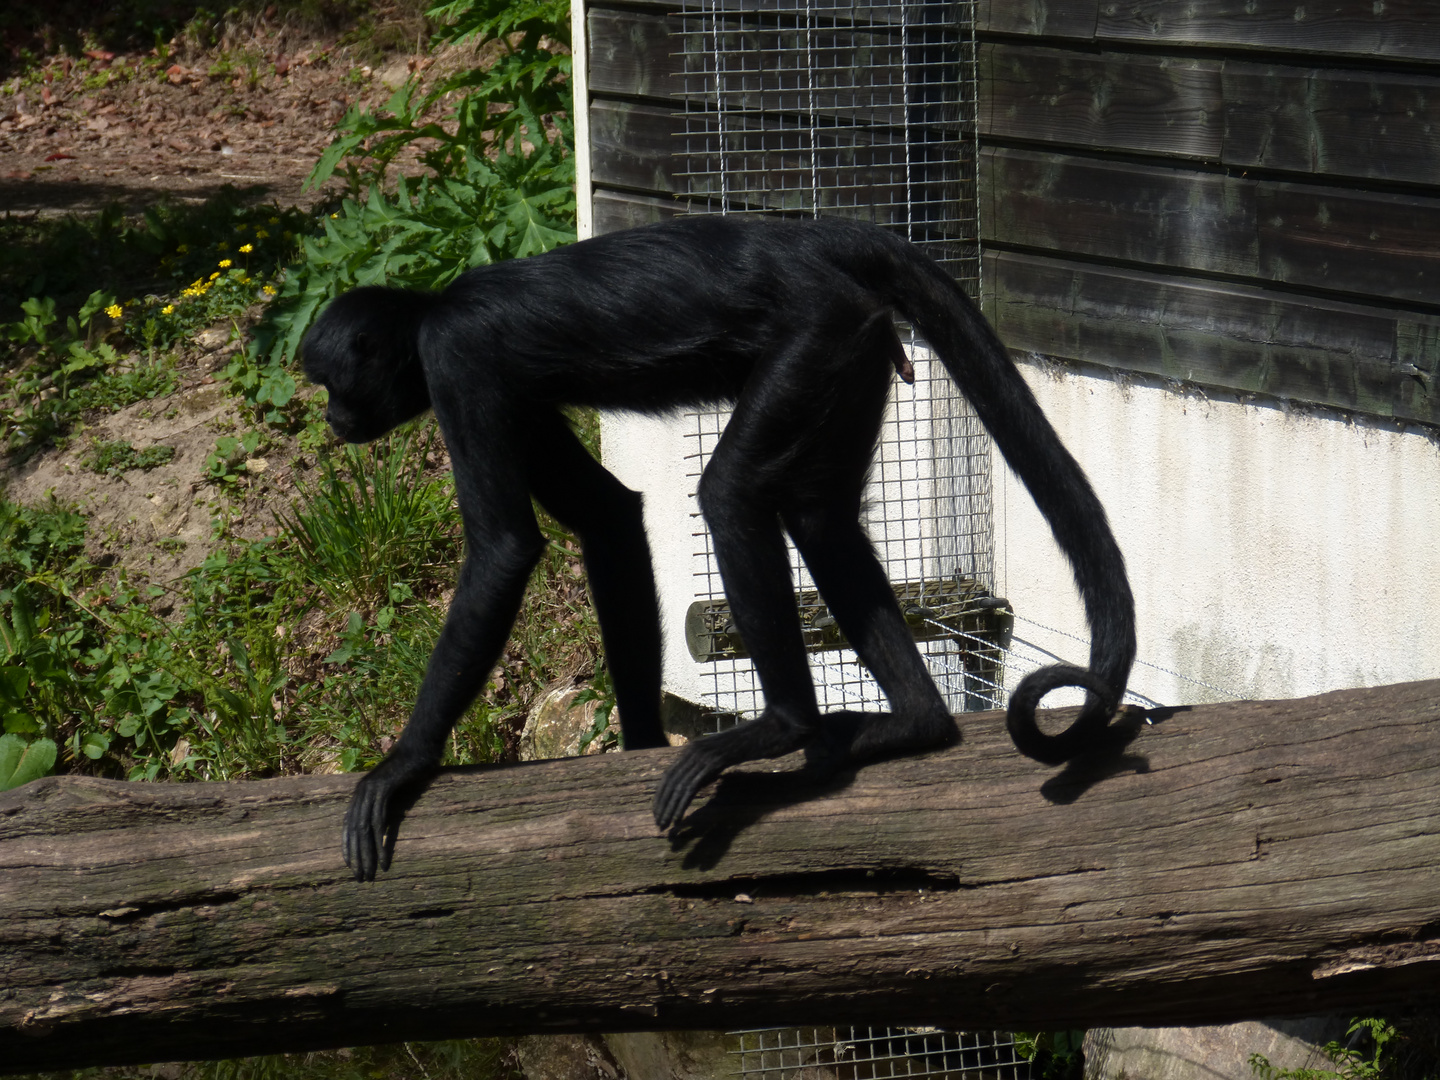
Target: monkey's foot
[(848, 738), (704, 759)]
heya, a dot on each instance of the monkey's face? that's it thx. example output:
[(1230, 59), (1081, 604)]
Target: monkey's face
[(362, 351)]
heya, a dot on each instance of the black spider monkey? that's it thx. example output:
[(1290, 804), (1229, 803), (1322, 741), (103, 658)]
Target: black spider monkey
[(791, 323)]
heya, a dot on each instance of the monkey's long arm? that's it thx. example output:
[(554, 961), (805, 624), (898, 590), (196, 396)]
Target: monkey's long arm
[(503, 545)]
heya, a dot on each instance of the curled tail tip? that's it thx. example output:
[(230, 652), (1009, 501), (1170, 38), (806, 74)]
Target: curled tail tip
[(1080, 736)]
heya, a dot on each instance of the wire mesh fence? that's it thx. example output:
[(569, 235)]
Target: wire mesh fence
[(866, 1053), (863, 110), (866, 110)]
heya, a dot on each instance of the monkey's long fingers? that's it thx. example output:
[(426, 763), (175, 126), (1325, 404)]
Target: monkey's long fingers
[(363, 840), (691, 771), (704, 759)]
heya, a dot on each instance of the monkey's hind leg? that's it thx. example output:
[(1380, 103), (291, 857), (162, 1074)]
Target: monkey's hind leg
[(853, 584), (739, 495)]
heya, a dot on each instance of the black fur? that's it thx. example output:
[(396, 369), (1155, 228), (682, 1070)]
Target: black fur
[(788, 321)]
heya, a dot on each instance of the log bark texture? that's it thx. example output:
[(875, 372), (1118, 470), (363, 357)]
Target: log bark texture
[(1242, 859)]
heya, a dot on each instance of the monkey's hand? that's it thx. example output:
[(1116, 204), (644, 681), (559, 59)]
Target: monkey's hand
[(375, 812), (704, 759)]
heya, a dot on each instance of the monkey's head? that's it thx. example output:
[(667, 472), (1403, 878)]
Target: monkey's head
[(364, 350)]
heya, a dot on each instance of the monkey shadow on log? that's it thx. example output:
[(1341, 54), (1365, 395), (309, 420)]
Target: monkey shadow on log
[(743, 798), (1108, 758)]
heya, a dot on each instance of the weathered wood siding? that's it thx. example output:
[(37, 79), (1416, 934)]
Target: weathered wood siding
[(1237, 193), (634, 75)]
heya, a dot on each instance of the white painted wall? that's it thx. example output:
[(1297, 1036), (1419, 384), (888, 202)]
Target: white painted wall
[(1273, 552), (648, 454)]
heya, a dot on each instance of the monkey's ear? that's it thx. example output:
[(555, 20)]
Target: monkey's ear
[(363, 343)]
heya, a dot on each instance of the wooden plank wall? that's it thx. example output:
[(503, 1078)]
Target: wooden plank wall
[(1236, 193), (634, 73)]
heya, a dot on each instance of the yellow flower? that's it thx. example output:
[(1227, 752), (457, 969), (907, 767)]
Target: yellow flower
[(241, 227), (274, 221), (214, 275), (183, 249), (269, 290), (114, 311), (223, 264), (334, 215), (261, 234), (245, 249), (222, 247), (168, 309)]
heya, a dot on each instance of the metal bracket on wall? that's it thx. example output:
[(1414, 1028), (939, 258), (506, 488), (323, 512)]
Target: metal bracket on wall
[(957, 610)]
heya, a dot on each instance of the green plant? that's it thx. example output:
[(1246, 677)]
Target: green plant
[(1053, 1055), (423, 236), (502, 185), (602, 690), (375, 525), (1350, 1063), (226, 463), (22, 761), (495, 105), (113, 458)]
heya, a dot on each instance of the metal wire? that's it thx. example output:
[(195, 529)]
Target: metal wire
[(816, 107), (862, 1053), (812, 107)]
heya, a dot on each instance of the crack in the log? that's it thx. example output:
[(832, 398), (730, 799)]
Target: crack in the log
[(431, 913), (141, 910), (138, 971), (867, 880)]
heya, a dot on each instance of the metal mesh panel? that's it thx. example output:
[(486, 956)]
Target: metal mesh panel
[(875, 1053), (863, 111), (819, 106)]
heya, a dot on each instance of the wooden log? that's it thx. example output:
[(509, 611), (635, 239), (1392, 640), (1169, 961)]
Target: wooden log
[(859, 172), (615, 210), (1234, 860), (1396, 29)]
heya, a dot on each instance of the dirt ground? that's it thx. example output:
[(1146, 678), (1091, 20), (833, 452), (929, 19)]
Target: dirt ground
[(255, 113), (130, 128)]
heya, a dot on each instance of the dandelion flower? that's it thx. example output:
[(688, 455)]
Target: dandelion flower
[(168, 309), (261, 234), (269, 290), (114, 311), (245, 249), (274, 221), (214, 275), (224, 263)]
